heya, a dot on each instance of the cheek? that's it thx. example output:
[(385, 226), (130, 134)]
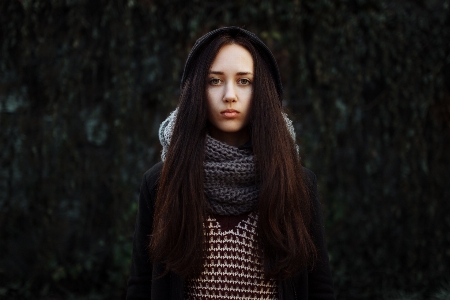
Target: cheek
[(248, 100), (209, 99), (246, 95), (213, 93), (248, 110), (210, 106)]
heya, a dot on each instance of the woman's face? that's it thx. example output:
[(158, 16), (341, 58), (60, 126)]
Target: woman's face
[(229, 92)]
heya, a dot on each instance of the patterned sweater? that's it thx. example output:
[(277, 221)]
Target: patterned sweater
[(233, 268)]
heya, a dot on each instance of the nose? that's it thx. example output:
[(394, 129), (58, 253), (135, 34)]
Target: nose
[(230, 93)]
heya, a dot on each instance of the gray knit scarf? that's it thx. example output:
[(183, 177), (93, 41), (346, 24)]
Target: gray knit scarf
[(230, 181)]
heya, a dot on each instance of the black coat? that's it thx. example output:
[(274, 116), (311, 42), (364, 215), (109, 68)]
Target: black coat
[(143, 281)]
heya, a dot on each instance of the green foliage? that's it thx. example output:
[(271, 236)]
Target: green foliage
[(84, 86), (443, 293)]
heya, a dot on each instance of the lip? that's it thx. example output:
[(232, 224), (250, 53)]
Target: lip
[(230, 113)]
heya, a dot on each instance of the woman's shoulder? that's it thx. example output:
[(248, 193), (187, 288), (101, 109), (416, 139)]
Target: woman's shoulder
[(309, 173), (309, 176), (151, 176), (311, 183)]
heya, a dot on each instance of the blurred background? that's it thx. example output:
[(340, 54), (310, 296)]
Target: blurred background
[(85, 84)]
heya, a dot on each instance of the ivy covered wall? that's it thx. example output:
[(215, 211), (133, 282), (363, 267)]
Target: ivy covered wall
[(84, 86)]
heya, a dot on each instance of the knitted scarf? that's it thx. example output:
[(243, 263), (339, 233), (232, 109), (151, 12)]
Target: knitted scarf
[(230, 181)]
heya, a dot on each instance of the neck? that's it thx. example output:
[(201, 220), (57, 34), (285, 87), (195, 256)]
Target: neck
[(235, 139)]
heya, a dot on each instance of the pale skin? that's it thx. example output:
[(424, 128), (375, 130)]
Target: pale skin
[(229, 92)]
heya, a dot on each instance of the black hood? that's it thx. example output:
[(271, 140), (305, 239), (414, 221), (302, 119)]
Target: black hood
[(234, 31)]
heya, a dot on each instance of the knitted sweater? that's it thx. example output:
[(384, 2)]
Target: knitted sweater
[(233, 268)]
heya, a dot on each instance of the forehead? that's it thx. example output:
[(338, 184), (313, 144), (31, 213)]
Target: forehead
[(231, 57)]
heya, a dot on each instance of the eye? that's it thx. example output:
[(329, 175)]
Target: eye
[(244, 81), (215, 81)]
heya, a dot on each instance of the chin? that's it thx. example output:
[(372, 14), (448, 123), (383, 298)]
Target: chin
[(232, 129)]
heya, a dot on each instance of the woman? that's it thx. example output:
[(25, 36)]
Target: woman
[(230, 213)]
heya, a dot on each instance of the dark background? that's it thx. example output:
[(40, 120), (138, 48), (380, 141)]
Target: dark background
[(85, 84)]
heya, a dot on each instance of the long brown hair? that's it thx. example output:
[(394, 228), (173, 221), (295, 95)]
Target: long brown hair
[(284, 202)]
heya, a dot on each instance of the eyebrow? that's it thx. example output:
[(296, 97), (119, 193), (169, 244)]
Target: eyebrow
[(238, 73)]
